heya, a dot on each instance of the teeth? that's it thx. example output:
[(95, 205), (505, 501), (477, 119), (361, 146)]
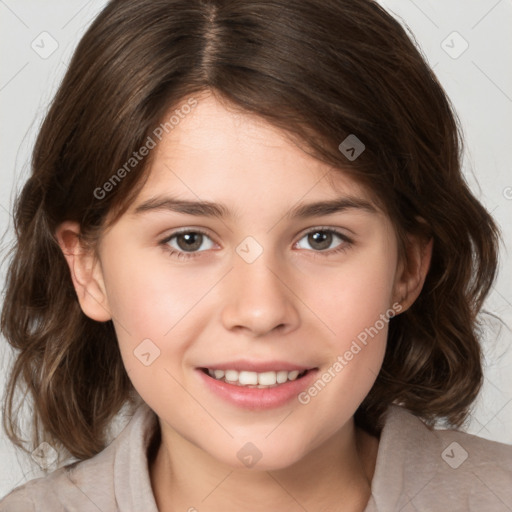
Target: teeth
[(282, 376), (254, 379), (267, 378), (231, 375), (248, 378), (218, 374)]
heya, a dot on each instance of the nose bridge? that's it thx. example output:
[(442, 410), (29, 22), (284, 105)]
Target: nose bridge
[(257, 298)]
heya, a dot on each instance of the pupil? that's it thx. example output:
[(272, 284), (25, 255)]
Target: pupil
[(322, 238), (192, 241)]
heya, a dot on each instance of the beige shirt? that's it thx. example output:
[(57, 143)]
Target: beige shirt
[(417, 470)]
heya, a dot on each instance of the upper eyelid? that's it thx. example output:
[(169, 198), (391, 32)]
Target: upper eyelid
[(181, 231), (338, 231), (302, 234)]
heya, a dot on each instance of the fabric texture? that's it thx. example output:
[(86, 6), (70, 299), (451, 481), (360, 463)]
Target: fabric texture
[(417, 470)]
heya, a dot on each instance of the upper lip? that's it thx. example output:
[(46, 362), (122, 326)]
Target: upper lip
[(257, 366)]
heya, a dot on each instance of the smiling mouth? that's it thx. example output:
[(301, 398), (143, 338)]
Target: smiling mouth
[(248, 379)]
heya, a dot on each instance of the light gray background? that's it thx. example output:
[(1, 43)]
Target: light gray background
[(478, 81)]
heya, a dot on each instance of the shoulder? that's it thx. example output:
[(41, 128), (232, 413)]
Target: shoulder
[(99, 483), (434, 469), (459, 449), (45, 493), (67, 488)]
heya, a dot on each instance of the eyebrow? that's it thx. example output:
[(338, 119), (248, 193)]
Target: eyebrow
[(210, 209)]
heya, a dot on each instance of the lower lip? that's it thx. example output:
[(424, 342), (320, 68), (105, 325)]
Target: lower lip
[(258, 398)]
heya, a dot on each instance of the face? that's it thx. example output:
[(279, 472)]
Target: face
[(254, 283)]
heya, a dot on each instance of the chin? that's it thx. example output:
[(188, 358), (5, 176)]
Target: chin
[(261, 455)]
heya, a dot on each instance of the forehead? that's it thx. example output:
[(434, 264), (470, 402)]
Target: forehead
[(217, 152)]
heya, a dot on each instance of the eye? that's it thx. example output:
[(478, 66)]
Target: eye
[(190, 241), (321, 240)]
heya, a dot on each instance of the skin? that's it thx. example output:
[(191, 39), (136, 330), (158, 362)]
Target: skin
[(295, 303)]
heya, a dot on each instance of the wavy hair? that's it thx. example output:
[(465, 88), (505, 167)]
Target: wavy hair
[(317, 70)]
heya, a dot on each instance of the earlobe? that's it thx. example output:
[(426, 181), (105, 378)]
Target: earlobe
[(413, 272), (85, 270)]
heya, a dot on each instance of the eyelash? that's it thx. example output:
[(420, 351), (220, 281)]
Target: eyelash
[(182, 255)]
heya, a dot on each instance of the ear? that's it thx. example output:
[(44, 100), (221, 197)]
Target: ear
[(412, 272), (86, 272)]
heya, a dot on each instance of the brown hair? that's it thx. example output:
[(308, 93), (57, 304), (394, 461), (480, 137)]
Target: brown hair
[(319, 70)]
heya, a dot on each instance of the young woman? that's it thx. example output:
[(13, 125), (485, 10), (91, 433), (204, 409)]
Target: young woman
[(247, 222)]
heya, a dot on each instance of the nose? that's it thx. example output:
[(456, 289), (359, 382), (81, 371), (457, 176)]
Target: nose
[(257, 298)]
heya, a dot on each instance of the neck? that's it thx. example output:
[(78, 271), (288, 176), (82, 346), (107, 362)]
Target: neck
[(334, 476)]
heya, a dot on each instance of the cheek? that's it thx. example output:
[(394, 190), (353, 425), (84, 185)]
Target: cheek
[(354, 300), (149, 296), (155, 307), (351, 297)]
